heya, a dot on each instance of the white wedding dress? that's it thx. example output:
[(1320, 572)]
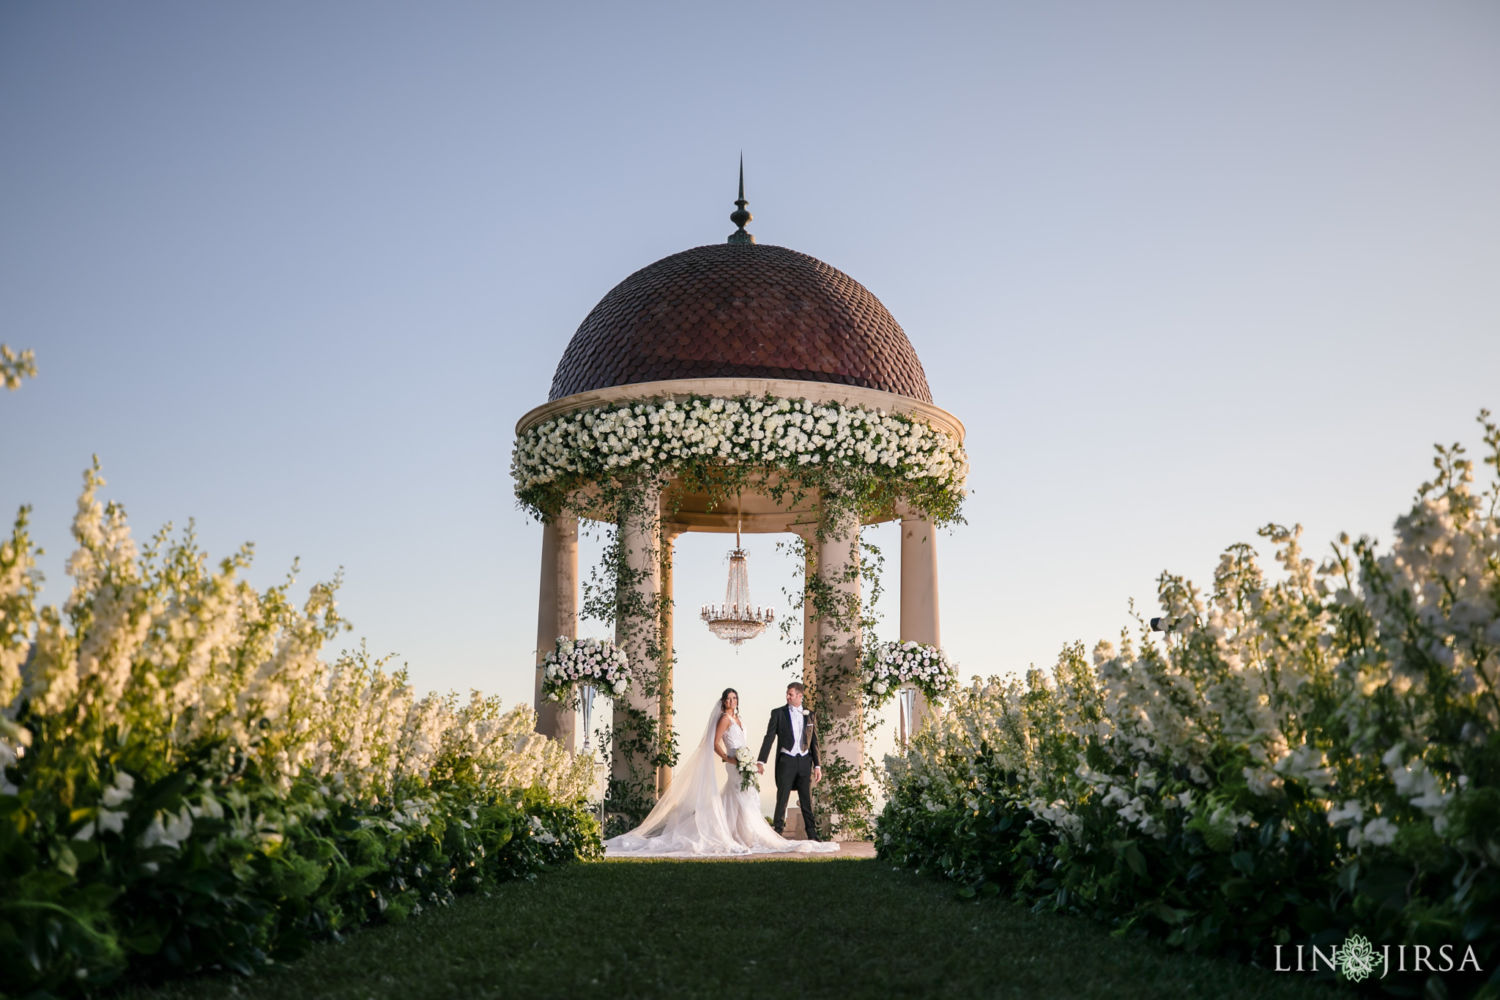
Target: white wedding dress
[(701, 816)]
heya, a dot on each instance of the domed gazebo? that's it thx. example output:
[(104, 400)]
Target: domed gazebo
[(737, 382)]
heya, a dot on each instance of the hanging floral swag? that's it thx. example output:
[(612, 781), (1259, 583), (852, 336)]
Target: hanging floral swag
[(892, 665), (865, 457)]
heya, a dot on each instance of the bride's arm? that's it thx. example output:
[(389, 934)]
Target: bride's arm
[(719, 732)]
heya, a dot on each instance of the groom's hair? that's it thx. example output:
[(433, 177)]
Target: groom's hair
[(796, 686)]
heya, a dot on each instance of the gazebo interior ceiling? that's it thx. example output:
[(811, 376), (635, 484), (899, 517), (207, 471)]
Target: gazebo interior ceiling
[(755, 512)]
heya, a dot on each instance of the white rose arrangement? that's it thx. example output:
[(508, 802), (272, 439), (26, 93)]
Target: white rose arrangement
[(889, 665), (584, 661), (744, 759)]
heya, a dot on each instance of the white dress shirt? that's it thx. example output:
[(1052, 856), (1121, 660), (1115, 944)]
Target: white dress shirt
[(797, 723)]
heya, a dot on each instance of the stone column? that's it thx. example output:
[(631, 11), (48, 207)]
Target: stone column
[(838, 668), (809, 616), (557, 614), (919, 593), (664, 705), (637, 631)]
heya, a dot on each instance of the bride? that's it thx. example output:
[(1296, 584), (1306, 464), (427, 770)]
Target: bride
[(699, 816)]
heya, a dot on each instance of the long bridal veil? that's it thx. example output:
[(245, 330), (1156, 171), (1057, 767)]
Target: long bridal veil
[(692, 819), (689, 819)]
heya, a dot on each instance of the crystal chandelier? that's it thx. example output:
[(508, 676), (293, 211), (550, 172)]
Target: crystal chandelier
[(737, 619)]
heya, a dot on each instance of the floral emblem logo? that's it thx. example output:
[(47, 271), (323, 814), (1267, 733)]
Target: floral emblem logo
[(1356, 958)]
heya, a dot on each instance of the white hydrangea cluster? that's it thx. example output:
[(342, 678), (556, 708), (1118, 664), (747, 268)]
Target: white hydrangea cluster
[(158, 648), (889, 665), (585, 661), (660, 433), (1059, 815)]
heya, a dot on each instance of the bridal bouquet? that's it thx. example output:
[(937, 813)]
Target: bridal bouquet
[(584, 661), (744, 759), (889, 665)]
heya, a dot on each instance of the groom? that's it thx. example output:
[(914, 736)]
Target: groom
[(796, 758)]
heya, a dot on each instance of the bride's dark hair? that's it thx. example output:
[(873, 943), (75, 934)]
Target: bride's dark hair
[(724, 698)]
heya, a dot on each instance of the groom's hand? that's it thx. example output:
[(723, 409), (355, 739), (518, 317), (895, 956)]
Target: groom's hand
[(760, 768), (817, 773)]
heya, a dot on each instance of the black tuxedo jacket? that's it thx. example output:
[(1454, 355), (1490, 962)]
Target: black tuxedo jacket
[(780, 730)]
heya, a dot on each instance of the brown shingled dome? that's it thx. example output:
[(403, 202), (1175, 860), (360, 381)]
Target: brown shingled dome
[(740, 310)]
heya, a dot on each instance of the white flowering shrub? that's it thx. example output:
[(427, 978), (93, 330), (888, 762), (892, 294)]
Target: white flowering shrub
[(889, 666), (16, 366), (584, 661), (1308, 751), (173, 748)]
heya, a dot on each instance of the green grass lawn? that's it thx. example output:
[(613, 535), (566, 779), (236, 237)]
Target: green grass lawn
[(802, 929)]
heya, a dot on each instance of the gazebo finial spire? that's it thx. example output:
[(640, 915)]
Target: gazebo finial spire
[(739, 216)]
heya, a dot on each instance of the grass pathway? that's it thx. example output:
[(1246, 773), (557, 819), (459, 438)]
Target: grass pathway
[(666, 929)]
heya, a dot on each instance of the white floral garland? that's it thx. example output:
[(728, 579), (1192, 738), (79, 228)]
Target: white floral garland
[(761, 430)]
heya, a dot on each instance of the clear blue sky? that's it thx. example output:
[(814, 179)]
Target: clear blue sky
[(296, 269)]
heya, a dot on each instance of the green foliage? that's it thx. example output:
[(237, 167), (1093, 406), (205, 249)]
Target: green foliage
[(255, 876), (844, 800)]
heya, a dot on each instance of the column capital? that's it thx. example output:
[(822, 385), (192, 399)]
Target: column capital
[(806, 532)]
